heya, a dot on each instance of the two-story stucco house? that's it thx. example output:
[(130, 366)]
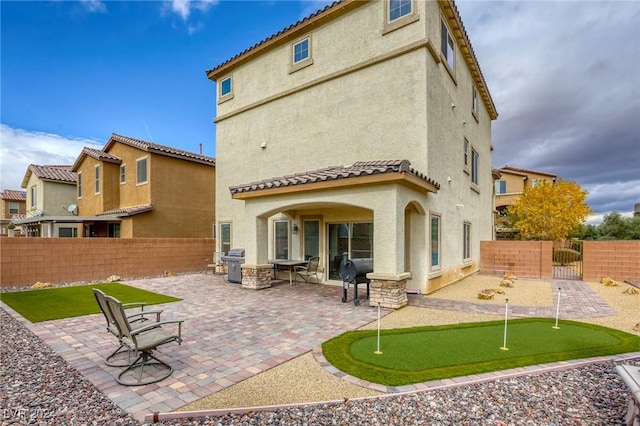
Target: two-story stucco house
[(364, 128), (509, 185), (50, 190), (13, 205), (133, 188)]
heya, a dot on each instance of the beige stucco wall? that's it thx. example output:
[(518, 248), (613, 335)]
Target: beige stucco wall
[(370, 105), (90, 203)]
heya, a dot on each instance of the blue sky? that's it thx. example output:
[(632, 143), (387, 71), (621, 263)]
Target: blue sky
[(565, 77)]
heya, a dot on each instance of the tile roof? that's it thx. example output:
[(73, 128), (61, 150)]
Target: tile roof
[(524, 172), (101, 155), (128, 211), (159, 149), (18, 216), (361, 168), (13, 195), (58, 173), (276, 35)]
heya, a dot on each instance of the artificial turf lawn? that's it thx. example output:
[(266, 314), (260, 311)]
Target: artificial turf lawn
[(420, 354), (66, 302)]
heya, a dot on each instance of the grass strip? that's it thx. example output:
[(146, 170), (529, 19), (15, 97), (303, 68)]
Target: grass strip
[(66, 302), (420, 354)]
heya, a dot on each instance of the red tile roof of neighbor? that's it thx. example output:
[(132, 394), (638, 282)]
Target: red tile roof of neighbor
[(59, 173), (159, 149), (524, 172), (13, 195), (361, 168), (101, 155), (128, 211)]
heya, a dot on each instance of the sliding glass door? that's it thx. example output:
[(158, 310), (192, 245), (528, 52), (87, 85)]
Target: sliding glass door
[(356, 239)]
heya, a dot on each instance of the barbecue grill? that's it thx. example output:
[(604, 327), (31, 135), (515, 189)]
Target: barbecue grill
[(234, 259), (354, 271)]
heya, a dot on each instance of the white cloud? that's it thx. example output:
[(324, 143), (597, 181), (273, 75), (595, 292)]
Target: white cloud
[(94, 5), (19, 148), (184, 7)]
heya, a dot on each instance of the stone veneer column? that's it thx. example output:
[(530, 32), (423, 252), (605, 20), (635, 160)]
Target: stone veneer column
[(256, 277), (389, 290)]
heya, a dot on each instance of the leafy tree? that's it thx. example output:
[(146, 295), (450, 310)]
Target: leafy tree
[(550, 211), (585, 232), (616, 227)]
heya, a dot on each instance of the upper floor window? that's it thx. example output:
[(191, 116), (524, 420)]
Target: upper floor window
[(79, 184), (474, 100), (97, 179), (14, 208), (536, 182), (501, 187), (466, 154), (301, 50), (226, 86), (447, 45), (399, 8), (34, 196), (141, 170), (123, 173), (475, 159)]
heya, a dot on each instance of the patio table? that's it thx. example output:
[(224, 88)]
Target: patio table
[(289, 264)]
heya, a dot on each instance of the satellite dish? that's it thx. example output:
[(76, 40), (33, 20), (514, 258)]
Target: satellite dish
[(73, 209), (36, 213)]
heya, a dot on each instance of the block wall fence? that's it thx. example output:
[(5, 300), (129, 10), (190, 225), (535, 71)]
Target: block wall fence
[(618, 260), (25, 261)]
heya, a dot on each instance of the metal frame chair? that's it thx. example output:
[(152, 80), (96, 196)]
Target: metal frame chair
[(143, 341), (137, 320), (311, 269)]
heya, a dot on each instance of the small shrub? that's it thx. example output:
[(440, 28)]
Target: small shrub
[(565, 256)]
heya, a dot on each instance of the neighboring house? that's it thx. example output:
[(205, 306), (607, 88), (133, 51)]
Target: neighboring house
[(13, 204), (50, 191), (137, 189), (364, 128), (510, 184)]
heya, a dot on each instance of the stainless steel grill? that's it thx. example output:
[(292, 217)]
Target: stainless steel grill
[(234, 259)]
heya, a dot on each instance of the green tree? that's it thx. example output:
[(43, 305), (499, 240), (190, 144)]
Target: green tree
[(616, 227), (550, 211)]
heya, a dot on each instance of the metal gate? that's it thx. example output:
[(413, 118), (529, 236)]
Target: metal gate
[(567, 260)]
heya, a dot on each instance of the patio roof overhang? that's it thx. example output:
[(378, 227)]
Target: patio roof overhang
[(339, 177), (65, 219)]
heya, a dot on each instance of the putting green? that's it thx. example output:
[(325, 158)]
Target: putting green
[(66, 302), (427, 353)]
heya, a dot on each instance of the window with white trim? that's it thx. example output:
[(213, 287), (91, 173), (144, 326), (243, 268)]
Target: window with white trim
[(79, 184), (301, 50), (98, 179), (225, 237), (226, 86), (142, 172), (14, 207), (475, 160), (466, 154), (435, 242), (466, 243), (281, 239), (34, 196), (501, 187), (123, 173), (447, 45), (399, 8), (474, 100)]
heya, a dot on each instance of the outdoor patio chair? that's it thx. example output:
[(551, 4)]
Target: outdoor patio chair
[(306, 272), (139, 319), (215, 263), (143, 341)]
